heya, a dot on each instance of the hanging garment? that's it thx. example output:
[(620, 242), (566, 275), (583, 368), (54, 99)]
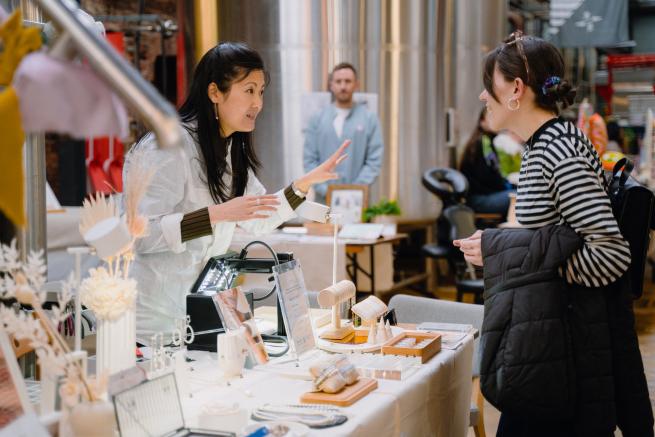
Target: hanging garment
[(11, 164), (593, 126), (17, 41), (68, 98)]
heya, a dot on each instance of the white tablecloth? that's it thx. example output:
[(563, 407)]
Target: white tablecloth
[(435, 401)]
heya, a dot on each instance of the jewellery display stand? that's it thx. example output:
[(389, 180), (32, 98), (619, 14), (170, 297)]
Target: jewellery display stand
[(336, 294), (333, 297)]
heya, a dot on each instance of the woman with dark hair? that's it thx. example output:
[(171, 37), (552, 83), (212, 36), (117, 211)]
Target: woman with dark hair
[(488, 190), (561, 183), (201, 191)]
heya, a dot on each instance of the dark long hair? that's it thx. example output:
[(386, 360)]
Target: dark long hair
[(472, 151), (536, 62), (224, 65)]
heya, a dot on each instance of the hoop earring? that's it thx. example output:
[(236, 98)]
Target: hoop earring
[(216, 111), (509, 105)]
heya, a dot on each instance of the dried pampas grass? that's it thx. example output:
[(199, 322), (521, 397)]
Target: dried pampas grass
[(135, 186), (96, 209)]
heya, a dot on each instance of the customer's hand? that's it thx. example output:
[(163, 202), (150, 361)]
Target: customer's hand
[(243, 208), (325, 171), (471, 247)]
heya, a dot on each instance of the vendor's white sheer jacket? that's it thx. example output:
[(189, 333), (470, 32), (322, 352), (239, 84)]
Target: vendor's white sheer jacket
[(165, 267)]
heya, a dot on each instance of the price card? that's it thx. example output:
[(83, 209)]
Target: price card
[(291, 292)]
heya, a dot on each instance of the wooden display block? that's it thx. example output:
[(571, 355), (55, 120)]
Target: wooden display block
[(320, 228), (345, 397), (426, 352)]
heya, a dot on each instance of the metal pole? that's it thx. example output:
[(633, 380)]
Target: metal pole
[(33, 236), (158, 114)]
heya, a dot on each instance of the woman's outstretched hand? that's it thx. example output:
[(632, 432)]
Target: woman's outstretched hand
[(471, 247), (243, 208), (325, 171)]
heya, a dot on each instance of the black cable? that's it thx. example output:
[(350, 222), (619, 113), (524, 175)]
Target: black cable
[(258, 299), (243, 254), (271, 338), (244, 251)]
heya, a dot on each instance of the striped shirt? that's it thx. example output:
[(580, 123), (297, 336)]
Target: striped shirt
[(561, 182)]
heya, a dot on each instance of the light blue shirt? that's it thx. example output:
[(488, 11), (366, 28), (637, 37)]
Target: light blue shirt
[(365, 153)]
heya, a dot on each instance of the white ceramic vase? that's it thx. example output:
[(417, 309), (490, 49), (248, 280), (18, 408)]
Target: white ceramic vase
[(93, 419), (116, 343), (232, 351)]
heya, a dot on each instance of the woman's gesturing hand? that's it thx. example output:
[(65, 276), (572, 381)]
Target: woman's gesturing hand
[(243, 208), (471, 247), (325, 171)]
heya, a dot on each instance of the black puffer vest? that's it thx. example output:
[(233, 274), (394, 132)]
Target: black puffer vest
[(547, 348)]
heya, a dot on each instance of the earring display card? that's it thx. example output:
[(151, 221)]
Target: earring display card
[(295, 309), (153, 408)]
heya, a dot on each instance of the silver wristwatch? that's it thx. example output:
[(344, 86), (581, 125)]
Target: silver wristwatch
[(297, 191)]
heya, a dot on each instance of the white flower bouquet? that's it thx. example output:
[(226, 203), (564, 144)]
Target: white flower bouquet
[(108, 295)]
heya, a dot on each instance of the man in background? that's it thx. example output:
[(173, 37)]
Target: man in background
[(341, 120)]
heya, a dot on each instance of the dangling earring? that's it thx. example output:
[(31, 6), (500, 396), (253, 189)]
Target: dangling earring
[(216, 111), (509, 104)]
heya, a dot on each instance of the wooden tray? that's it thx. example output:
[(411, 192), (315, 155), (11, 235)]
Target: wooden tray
[(345, 397), (427, 352)]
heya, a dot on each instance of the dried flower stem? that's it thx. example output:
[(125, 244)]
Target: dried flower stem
[(62, 345)]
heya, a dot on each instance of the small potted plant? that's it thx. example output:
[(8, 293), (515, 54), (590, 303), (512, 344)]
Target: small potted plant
[(385, 212)]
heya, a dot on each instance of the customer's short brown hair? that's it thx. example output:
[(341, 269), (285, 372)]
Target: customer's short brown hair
[(344, 65)]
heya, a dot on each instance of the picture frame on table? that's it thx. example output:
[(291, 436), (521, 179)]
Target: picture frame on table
[(14, 401), (235, 313), (349, 200)]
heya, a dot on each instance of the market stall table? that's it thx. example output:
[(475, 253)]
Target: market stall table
[(434, 401)]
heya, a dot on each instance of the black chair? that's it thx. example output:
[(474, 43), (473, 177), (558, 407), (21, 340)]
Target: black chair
[(447, 184), (462, 225), (451, 187)]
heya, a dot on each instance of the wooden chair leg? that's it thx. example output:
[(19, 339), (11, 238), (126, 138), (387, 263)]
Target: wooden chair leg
[(478, 428)]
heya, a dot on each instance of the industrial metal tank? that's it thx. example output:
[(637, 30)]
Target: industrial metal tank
[(421, 57), (396, 47)]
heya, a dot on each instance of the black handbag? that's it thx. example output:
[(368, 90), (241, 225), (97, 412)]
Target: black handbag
[(633, 206)]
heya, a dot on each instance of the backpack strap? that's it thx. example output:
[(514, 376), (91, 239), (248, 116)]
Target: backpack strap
[(625, 166)]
